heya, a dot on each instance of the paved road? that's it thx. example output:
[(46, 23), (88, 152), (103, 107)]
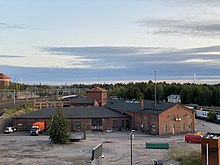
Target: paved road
[(205, 126)]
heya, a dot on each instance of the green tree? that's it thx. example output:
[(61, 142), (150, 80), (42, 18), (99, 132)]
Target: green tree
[(59, 131), (211, 116), (160, 92), (134, 93)]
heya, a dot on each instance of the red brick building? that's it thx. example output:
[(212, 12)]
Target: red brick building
[(80, 118), (100, 94), (165, 118), (4, 81)]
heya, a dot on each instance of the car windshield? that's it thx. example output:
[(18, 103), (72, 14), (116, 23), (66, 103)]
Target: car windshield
[(33, 129), (6, 128)]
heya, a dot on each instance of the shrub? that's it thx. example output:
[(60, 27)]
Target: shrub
[(186, 157)]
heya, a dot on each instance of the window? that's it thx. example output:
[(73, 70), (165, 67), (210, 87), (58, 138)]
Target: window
[(145, 118), (172, 117), (189, 117), (190, 126), (183, 117), (153, 118), (123, 123), (96, 122), (164, 128), (76, 126), (172, 128), (182, 127), (114, 123)]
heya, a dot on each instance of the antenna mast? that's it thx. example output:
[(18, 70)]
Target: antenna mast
[(194, 78), (155, 89)]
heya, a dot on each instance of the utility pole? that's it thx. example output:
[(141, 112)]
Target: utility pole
[(26, 95), (155, 89), (14, 97), (131, 138)]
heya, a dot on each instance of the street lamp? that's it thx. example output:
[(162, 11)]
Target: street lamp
[(131, 138)]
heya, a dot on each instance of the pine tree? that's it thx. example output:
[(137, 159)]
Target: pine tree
[(59, 129)]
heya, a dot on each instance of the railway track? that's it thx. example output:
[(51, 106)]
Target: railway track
[(213, 109), (18, 103)]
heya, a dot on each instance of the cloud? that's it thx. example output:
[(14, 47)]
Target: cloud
[(101, 57), (186, 27), (209, 2), (196, 61), (169, 73), (12, 26), (17, 26), (10, 56)]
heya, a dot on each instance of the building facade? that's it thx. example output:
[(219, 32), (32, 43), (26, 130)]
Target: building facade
[(174, 99), (4, 81), (165, 118), (80, 118), (100, 94)]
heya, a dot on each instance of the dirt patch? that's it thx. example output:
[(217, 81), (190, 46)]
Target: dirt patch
[(21, 148)]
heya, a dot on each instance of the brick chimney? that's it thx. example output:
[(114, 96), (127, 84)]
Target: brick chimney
[(142, 104)]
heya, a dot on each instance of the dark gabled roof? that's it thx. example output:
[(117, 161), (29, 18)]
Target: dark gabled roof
[(162, 106), (74, 112), (123, 105), (80, 100), (134, 106)]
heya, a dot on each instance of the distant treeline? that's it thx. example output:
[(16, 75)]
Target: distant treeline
[(201, 94)]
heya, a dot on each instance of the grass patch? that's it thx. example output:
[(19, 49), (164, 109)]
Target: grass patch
[(185, 157)]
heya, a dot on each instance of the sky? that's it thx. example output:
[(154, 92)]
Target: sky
[(60, 42)]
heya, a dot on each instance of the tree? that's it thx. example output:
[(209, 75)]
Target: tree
[(59, 129), (134, 93), (211, 116)]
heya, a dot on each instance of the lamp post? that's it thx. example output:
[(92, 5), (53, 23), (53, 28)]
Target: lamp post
[(131, 138)]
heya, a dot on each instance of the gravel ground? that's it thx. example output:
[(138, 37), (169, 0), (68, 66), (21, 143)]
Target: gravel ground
[(20, 148)]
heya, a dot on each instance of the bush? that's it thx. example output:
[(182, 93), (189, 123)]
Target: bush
[(186, 157), (27, 107)]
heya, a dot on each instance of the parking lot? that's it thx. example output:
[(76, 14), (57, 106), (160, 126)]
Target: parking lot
[(21, 148)]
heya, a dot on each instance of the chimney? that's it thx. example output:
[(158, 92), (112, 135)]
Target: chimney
[(142, 104)]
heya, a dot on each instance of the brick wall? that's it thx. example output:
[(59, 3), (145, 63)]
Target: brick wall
[(25, 124), (101, 97), (75, 124), (4, 83), (177, 119)]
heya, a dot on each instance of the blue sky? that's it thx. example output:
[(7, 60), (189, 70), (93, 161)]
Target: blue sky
[(59, 42)]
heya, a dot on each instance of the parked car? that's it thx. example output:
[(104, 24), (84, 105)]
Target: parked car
[(8, 130), (193, 138), (14, 129), (109, 130)]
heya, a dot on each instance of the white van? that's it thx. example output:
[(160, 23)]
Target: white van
[(9, 130)]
